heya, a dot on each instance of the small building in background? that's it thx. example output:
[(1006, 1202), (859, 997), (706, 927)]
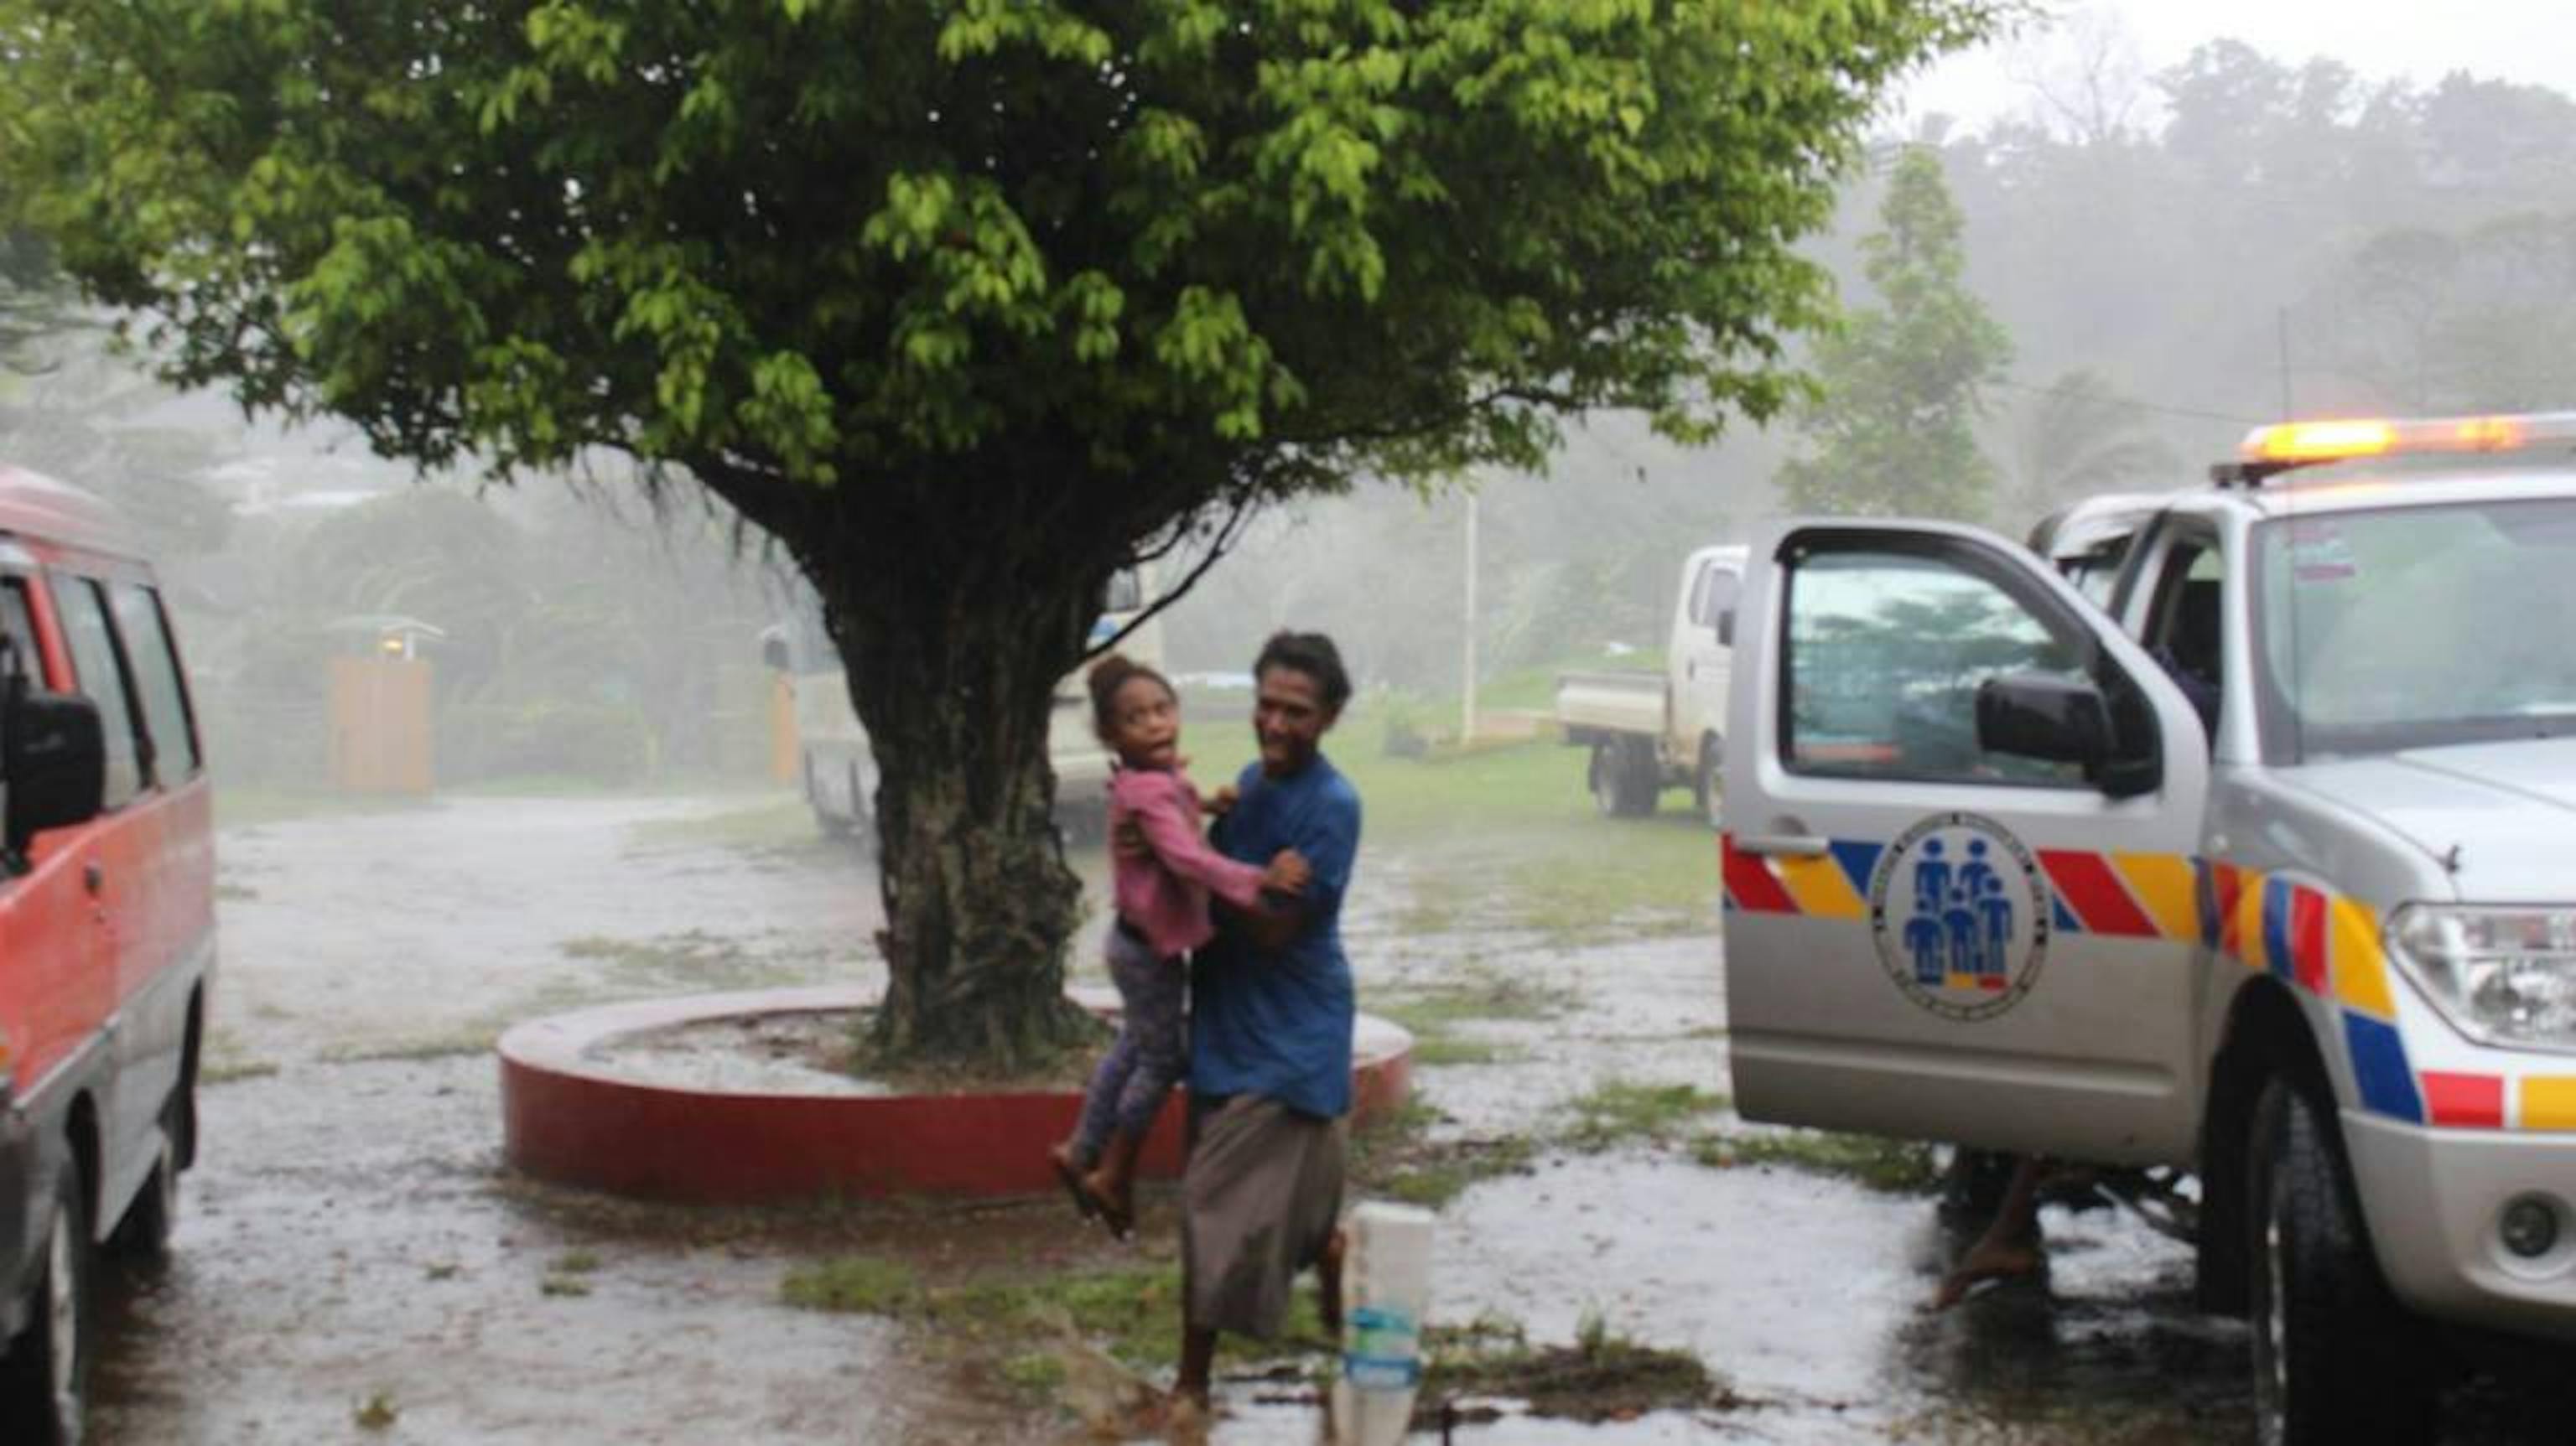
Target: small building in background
[(382, 737)]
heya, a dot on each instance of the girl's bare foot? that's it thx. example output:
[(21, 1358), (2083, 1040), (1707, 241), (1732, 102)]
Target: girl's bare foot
[(1068, 1168), (1988, 1260)]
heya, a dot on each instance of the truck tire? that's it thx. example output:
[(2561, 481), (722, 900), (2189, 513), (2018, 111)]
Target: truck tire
[(2337, 1360), (1624, 784), (44, 1382)]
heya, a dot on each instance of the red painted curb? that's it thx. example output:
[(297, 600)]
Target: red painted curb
[(566, 1118)]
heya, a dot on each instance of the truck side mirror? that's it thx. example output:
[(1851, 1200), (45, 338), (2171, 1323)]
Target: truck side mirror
[(2056, 720), (1724, 627), (55, 758)]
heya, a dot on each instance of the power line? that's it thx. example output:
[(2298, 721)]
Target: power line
[(2136, 406)]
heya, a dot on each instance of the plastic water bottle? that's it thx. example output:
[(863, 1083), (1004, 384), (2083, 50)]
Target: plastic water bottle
[(1386, 1290)]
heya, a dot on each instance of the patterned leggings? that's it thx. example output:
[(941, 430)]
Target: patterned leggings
[(1127, 1088)]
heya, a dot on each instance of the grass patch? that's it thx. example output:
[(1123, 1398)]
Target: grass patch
[(1897, 1167), (1395, 1158), (1601, 1376), (783, 825), (1623, 1111), (420, 1050), (1445, 1049), (249, 806), (1132, 1314), (233, 1071)]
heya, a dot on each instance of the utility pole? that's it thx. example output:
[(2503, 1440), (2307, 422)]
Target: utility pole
[(1467, 672), (2281, 318)]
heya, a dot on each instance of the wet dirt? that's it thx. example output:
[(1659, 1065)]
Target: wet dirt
[(355, 1264)]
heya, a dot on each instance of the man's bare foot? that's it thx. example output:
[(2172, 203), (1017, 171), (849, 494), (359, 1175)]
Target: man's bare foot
[(1988, 1261), (1182, 1416)]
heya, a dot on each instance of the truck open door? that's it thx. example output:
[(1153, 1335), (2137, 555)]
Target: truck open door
[(1963, 813)]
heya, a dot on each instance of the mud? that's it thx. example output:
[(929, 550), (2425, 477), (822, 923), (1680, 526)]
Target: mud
[(355, 1265)]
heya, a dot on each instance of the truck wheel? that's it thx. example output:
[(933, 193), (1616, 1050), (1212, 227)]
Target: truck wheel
[(1623, 779), (44, 1383), (1708, 781), (832, 824), (2336, 1359)]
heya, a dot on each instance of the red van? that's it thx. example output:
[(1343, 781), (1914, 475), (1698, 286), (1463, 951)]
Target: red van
[(107, 932)]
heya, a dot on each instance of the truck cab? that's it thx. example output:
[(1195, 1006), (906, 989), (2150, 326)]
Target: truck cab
[(2261, 863), (1647, 732)]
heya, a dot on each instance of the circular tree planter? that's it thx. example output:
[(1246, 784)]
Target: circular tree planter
[(571, 1116)]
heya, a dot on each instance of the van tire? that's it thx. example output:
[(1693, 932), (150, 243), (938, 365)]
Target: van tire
[(44, 1382), (143, 1236), (2337, 1360)]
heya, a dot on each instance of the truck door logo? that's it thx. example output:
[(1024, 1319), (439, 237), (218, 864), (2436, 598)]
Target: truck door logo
[(1960, 915)]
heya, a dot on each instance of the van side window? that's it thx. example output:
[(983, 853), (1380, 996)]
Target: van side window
[(156, 677), (102, 680)]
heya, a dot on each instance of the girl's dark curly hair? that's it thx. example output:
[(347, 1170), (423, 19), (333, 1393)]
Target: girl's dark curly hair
[(1105, 679)]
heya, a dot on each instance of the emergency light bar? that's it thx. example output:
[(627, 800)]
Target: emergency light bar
[(2277, 448)]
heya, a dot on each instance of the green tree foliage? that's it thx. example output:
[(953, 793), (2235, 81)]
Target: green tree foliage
[(1893, 427), (966, 303)]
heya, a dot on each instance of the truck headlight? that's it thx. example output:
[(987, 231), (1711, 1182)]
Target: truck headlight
[(2502, 976)]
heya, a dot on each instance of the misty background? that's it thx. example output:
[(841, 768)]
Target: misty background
[(2180, 235)]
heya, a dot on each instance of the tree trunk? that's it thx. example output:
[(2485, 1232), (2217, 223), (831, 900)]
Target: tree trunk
[(956, 684)]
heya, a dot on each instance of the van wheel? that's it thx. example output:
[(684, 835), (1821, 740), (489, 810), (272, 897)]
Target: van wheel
[(2336, 1359), (1708, 781), (44, 1383), (143, 1236)]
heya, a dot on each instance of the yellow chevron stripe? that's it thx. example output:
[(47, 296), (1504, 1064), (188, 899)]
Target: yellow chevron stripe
[(2549, 1102), (1820, 887), (2164, 887), (2359, 967), (2249, 920)]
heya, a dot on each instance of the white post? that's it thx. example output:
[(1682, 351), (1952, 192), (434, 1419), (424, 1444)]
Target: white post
[(1467, 680)]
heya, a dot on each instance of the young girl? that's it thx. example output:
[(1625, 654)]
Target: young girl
[(1162, 900)]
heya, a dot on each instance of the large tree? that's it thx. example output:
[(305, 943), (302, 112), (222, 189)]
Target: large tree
[(966, 302), (1893, 428)]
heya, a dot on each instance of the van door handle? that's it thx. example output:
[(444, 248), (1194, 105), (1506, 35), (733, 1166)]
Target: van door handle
[(93, 878), (1794, 845)]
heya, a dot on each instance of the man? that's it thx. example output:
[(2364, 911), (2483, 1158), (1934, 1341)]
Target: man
[(1270, 1031)]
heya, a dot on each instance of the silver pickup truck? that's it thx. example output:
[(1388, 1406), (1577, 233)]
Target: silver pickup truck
[(2264, 866)]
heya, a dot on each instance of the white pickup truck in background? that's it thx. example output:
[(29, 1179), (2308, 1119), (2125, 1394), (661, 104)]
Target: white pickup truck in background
[(1651, 731)]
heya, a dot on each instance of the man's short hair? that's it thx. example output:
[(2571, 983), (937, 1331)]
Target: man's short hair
[(1312, 654)]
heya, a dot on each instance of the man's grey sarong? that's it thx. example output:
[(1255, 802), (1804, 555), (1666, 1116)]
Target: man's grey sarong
[(1259, 1201)]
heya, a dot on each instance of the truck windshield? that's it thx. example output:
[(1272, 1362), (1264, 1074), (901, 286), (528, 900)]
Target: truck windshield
[(2415, 627)]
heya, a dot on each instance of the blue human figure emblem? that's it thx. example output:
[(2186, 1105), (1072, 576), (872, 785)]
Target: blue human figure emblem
[(1923, 941), (1931, 879), (1976, 873), (1959, 922), (1996, 912)]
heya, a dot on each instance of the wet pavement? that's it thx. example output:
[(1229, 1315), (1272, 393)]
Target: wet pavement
[(354, 1263)]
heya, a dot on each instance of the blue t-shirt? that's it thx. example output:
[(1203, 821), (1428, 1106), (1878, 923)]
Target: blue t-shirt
[(1278, 1022)]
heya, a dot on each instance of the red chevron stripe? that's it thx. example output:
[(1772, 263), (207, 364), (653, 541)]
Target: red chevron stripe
[(2473, 1101), (1752, 884), (2096, 894), (2308, 939)]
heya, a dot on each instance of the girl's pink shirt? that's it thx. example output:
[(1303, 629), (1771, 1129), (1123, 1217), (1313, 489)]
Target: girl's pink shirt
[(1164, 895)]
